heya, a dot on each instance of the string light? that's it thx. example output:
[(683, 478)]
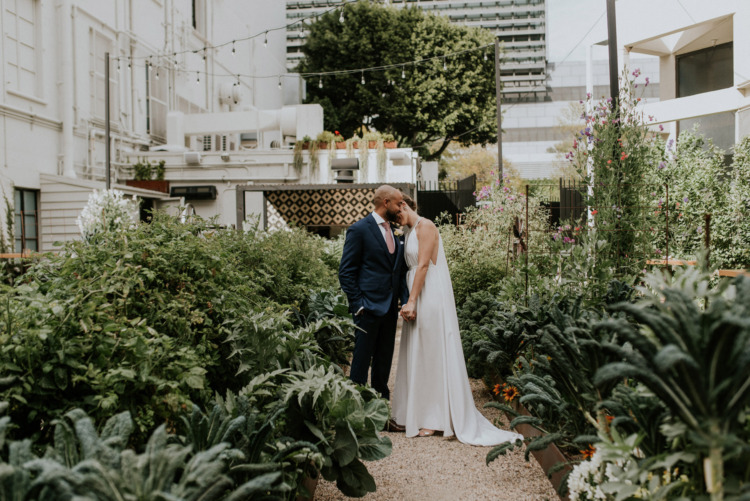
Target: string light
[(157, 73), (118, 66), (403, 74), (279, 82), (320, 83), (197, 78), (204, 54), (234, 51), (341, 17), (445, 65), (265, 40), (363, 78)]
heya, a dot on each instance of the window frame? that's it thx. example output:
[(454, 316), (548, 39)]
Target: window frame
[(20, 89), (19, 213)]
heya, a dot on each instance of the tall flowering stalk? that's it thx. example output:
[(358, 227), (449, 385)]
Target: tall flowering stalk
[(611, 153), (107, 211)]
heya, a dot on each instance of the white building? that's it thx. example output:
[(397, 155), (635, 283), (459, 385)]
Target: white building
[(217, 69), (704, 67)]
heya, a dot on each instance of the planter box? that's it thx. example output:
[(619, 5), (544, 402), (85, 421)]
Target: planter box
[(390, 144), (340, 145), (547, 458), (150, 184)]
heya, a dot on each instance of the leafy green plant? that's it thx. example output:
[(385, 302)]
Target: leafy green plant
[(474, 315), (343, 420), (694, 360)]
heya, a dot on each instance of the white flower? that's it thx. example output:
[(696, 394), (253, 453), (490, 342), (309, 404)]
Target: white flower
[(107, 210), (399, 232)]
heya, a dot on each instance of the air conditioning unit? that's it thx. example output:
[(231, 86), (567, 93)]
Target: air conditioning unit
[(344, 168), (192, 158), (207, 192)]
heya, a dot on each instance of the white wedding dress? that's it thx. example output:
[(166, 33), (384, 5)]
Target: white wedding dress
[(432, 387)]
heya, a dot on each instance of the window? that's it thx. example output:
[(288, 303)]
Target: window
[(98, 46), (156, 109), (26, 228), (705, 70), (21, 53)]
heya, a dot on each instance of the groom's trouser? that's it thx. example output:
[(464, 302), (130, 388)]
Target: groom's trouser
[(374, 346)]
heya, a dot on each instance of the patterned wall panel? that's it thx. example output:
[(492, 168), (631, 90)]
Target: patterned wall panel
[(336, 207)]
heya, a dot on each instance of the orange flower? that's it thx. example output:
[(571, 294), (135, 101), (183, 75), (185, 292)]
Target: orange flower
[(588, 453), (510, 393), (594, 212), (496, 389)]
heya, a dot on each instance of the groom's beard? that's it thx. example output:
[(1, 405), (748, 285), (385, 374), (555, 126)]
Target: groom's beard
[(392, 217)]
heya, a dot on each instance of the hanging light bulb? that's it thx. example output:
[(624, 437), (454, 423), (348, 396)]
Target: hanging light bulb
[(234, 51), (197, 78), (485, 55), (320, 83), (363, 78), (341, 16), (118, 65), (279, 82), (156, 74), (265, 40), (445, 65), (403, 73), (129, 66)]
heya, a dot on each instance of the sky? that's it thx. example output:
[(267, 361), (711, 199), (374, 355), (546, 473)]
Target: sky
[(567, 23)]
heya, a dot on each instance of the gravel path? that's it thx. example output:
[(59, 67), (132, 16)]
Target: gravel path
[(438, 468)]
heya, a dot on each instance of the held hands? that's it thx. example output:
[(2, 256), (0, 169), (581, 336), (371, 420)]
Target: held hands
[(409, 312)]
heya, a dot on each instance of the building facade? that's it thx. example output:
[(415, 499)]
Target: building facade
[(702, 49), (200, 86)]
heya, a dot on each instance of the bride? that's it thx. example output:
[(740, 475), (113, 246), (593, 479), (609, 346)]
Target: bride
[(432, 392)]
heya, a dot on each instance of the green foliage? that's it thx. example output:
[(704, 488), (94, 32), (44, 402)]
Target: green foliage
[(693, 359), (84, 464), (343, 420), (612, 153), (145, 171), (473, 315), (326, 313), (479, 252), (140, 321), (430, 104), (700, 183)]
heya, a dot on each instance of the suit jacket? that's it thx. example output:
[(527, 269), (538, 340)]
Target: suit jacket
[(369, 275)]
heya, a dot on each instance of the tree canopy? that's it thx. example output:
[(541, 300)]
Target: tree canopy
[(448, 98)]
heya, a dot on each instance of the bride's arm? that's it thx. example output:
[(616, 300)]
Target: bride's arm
[(429, 238)]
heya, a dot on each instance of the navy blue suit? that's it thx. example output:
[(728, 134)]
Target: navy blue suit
[(373, 279)]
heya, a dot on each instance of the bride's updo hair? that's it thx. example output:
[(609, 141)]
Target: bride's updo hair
[(410, 202)]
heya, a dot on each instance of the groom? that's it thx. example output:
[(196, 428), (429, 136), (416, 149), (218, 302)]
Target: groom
[(373, 276)]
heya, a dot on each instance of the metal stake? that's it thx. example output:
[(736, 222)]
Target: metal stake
[(106, 120)]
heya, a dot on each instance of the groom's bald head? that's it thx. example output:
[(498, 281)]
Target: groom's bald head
[(387, 201), (383, 193)]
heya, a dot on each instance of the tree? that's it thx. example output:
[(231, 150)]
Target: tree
[(459, 162), (429, 104)]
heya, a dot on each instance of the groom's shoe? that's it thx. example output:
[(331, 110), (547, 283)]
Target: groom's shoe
[(393, 426)]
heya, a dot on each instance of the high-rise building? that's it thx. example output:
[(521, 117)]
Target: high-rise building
[(520, 25)]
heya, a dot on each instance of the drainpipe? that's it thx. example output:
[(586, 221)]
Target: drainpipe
[(66, 86)]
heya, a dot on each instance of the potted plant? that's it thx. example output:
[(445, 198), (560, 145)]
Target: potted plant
[(144, 174), (389, 141)]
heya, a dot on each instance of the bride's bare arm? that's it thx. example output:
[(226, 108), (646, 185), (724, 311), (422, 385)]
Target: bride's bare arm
[(428, 236)]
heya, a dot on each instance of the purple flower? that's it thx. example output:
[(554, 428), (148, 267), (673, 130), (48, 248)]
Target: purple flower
[(647, 81), (685, 199), (670, 143), (636, 72), (699, 229), (662, 165), (661, 127)]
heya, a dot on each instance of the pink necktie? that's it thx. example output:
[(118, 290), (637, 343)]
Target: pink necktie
[(389, 237)]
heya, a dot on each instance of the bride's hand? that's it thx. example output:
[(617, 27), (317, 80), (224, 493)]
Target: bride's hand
[(408, 312)]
